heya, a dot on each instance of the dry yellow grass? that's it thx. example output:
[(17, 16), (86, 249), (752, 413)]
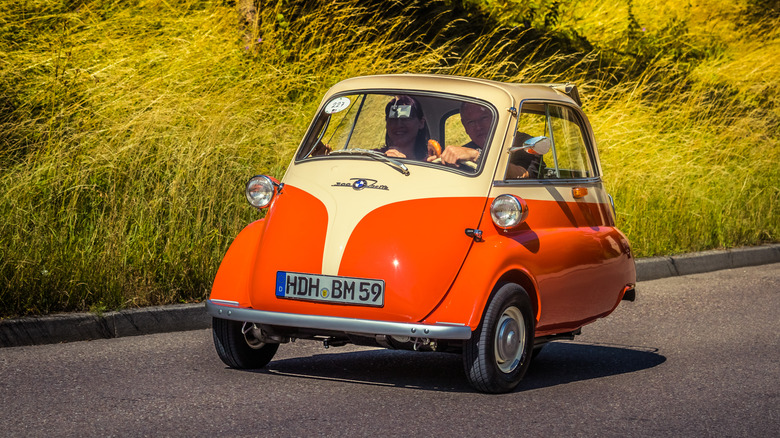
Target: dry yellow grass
[(129, 129)]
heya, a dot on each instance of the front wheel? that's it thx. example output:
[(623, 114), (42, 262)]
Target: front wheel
[(499, 351), (239, 349)]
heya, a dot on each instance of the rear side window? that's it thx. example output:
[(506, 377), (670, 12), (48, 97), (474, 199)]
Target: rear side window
[(571, 153), (569, 156)]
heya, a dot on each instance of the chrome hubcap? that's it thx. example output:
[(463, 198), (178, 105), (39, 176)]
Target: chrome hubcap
[(510, 339)]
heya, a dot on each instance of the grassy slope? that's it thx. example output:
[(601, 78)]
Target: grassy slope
[(129, 128), (703, 155)]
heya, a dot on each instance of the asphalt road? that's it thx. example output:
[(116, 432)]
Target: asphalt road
[(696, 355)]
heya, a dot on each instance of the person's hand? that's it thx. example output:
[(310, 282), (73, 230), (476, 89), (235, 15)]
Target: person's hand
[(394, 153), (452, 154), (320, 149)]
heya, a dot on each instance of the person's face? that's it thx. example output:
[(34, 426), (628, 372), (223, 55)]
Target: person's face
[(476, 120), (403, 131)]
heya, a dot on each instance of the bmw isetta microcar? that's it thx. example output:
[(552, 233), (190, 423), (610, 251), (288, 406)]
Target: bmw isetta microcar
[(429, 213)]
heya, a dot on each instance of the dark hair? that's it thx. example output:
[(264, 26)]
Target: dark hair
[(421, 141)]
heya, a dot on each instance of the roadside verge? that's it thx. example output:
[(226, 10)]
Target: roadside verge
[(70, 327)]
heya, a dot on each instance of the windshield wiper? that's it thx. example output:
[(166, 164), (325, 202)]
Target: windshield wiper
[(395, 164)]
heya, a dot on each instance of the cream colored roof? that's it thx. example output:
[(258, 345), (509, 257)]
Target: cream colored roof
[(471, 87)]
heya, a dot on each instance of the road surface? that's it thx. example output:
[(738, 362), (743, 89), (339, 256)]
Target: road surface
[(697, 355)]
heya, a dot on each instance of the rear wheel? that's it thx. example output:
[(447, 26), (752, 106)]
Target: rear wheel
[(238, 349), (499, 351)]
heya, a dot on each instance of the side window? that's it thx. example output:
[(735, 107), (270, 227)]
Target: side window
[(532, 123), (568, 157), (571, 153), (454, 134)]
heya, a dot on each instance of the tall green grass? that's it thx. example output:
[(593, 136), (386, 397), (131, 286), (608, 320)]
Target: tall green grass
[(128, 128)]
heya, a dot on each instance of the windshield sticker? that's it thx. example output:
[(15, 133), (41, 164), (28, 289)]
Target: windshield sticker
[(362, 183), (336, 105), (400, 112)]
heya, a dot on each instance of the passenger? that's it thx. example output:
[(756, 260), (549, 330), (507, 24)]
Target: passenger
[(406, 133), (523, 164), (476, 120)]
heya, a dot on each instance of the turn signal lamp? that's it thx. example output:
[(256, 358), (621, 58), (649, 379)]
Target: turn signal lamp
[(508, 211), (260, 190), (579, 192)]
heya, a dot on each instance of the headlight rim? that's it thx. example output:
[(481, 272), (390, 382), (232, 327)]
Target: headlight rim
[(269, 188), (521, 211)]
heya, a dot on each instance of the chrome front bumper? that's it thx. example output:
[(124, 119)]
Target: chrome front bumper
[(230, 310)]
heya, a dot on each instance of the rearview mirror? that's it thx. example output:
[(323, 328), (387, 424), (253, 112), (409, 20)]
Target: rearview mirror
[(534, 145)]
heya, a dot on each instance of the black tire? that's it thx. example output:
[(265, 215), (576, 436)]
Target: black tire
[(234, 348), (499, 351)]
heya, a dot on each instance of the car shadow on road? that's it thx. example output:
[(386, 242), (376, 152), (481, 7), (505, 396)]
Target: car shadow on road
[(567, 362), (559, 363)]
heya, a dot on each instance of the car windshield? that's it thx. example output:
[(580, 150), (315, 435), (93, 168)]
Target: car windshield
[(399, 129)]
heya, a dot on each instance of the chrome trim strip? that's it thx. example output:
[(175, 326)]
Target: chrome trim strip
[(333, 323), (588, 182), (228, 302)]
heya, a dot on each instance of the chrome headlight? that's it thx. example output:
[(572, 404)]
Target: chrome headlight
[(260, 190), (508, 211)]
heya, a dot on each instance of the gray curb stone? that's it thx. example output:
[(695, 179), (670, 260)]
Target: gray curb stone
[(653, 268), (69, 327), (72, 327)]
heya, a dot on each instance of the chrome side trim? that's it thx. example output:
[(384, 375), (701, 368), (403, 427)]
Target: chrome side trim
[(333, 323), (230, 303)]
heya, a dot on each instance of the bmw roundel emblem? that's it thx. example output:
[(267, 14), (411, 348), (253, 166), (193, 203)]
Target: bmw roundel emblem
[(361, 183)]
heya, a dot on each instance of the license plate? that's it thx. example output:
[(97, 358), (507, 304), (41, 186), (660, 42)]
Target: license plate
[(330, 289)]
